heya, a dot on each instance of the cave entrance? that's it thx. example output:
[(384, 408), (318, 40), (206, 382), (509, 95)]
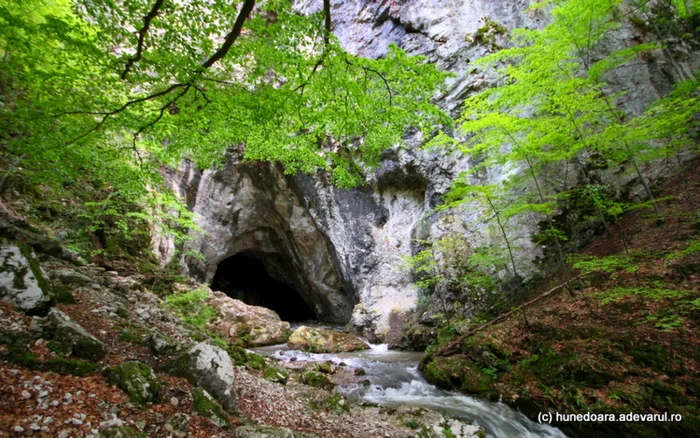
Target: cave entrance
[(244, 277)]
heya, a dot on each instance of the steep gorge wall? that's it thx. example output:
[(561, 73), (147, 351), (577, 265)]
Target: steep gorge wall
[(343, 249)]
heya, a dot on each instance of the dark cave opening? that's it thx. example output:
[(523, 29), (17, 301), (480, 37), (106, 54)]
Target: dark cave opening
[(244, 277)]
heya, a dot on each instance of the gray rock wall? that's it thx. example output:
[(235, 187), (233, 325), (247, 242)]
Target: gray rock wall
[(343, 249)]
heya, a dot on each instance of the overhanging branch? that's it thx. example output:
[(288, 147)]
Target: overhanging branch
[(231, 38), (142, 36)]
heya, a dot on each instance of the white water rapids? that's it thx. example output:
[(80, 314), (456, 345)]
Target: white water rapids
[(395, 381)]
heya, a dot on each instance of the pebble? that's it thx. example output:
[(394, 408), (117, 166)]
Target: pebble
[(35, 427), (18, 429), (26, 395), (174, 401)]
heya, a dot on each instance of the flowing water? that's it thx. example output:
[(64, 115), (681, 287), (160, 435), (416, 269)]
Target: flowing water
[(395, 381)]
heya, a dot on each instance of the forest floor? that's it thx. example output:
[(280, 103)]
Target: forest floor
[(623, 339)]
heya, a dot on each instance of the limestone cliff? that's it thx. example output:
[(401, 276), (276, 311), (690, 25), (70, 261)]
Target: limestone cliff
[(342, 249)]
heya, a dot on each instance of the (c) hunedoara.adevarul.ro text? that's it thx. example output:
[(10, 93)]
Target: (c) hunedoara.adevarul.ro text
[(549, 417)]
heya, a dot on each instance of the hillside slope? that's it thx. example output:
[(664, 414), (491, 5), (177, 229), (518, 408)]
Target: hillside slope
[(623, 339)]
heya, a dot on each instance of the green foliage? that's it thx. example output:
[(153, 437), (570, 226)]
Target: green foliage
[(91, 109), (646, 293), (609, 265), (455, 274), (191, 307)]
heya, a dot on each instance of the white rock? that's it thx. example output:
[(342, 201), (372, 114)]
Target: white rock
[(21, 278)]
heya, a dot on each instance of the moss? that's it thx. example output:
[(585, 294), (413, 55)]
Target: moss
[(136, 379), (256, 362), (275, 374), (238, 354), (178, 367), (334, 402), (122, 313), (58, 365), (127, 336), (63, 349), (474, 381), (326, 367), (61, 295), (317, 380), (206, 406)]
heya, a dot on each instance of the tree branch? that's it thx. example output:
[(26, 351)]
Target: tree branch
[(381, 76), (246, 9), (327, 20), (142, 36), (107, 115)]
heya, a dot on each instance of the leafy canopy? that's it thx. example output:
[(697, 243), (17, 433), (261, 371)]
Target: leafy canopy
[(109, 92)]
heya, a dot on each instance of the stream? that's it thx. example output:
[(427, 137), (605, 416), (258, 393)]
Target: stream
[(395, 381)]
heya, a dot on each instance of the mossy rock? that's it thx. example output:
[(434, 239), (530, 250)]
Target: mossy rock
[(60, 365), (206, 406), (65, 330), (256, 362), (136, 379), (325, 367), (18, 354), (120, 432), (276, 374), (457, 372), (474, 381), (317, 380)]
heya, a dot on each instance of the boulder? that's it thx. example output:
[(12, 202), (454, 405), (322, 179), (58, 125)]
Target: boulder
[(136, 379), (317, 340), (206, 406), (68, 332), (255, 325), (261, 431), (22, 281), (209, 367), (213, 370)]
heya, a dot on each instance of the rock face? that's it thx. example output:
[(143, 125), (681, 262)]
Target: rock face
[(22, 281), (76, 338), (257, 325), (317, 340), (343, 249)]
